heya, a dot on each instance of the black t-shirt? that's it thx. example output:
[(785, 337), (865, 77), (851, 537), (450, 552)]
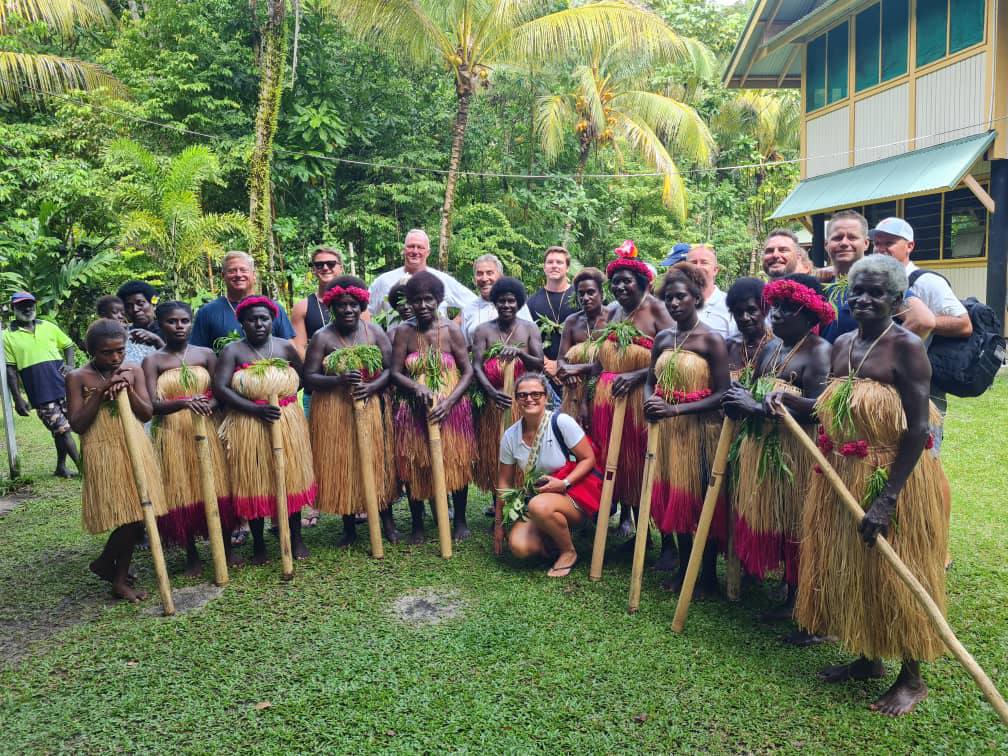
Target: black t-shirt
[(555, 306)]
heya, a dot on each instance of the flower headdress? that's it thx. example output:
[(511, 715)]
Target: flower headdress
[(257, 301), (626, 259), (361, 295), (787, 290)]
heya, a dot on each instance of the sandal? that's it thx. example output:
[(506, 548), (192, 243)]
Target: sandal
[(562, 572), (310, 518), (240, 537)]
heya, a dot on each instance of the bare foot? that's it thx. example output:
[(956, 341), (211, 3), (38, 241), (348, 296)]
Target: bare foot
[(859, 669), (674, 585), (625, 529), (349, 539), (802, 639), (389, 528), (106, 571), (259, 558), (901, 698), (780, 614), (417, 537), (668, 561), (194, 569), (563, 566), (234, 559), (460, 531), (299, 550), (124, 591), (64, 472)]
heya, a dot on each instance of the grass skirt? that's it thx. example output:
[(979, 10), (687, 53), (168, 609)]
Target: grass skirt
[(458, 441), (109, 495), (576, 395), (634, 445), (845, 588), (333, 422), (686, 445), (249, 450), (488, 427), (174, 442)]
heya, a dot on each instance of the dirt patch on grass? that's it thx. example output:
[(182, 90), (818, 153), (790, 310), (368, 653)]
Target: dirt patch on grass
[(192, 598), (13, 500), (427, 606), (21, 635)]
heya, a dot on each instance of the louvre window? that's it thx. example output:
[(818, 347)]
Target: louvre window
[(880, 43), (826, 68)]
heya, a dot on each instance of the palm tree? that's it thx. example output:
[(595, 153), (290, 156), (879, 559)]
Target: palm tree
[(772, 120), (28, 75), (164, 214), (607, 102), (470, 38)]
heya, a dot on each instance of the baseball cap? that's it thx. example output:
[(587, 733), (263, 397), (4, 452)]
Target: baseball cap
[(894, 226), (21, 296), (677, 255)]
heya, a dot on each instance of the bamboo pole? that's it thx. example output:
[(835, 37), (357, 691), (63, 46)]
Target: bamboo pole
[(280, 473), (440, 487), (509, 385), (643, 520), (608, 483), (939, 622), (210, 508), (150, 521), (13, 462), (365, 455), (703, 528)]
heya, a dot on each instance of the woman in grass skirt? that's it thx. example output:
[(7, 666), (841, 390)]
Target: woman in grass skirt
[(579, 348)]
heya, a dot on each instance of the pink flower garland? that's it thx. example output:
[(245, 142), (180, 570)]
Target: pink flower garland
[(626, 258), (256, 301), (641, 341), (283, 401), (784, 290), (361, 295), (684, 397)]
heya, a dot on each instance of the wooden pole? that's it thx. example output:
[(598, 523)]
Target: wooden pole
[(440, 487), (509, 384), (150, 521), (703, 528), (608, 483), (365, 459), (643, 520), (209, 491), (927, 603), (280, 473), (8, 409)]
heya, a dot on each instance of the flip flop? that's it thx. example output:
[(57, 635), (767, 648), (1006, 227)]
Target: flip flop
[(562, 572), (310, 518), (240, 537)]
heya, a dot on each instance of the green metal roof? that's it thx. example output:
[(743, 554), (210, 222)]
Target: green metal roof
[(931, 169)]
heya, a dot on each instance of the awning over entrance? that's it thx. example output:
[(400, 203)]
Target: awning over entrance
[(932, 169)]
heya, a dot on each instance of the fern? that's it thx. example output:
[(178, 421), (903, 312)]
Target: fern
[(223, 341), (876, 485), (625, 332), (515, 501), (364, 357), (839, 406), (187, 378), (259, 368)]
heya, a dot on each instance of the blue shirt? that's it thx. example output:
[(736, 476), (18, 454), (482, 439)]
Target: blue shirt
[(217, 319), (836, 293)]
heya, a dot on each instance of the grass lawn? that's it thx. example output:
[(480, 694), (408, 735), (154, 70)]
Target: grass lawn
[(529, 665)]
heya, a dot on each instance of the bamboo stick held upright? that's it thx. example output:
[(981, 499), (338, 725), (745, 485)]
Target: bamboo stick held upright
[(440, 487), (643, 520), (608, 484), (208, 489), (703, 528), (365, 456), (280, 473), (927, 603), (150, 520)]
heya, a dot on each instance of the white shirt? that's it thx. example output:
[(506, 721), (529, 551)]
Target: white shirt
[(479, 311), (456, 295), (716, 316), (514, 451), (935, 292)]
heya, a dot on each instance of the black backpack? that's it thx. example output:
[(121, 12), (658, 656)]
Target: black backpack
[(966, 366)]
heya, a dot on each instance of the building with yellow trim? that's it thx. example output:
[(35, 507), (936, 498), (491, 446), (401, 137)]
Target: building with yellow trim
[(905, 112)]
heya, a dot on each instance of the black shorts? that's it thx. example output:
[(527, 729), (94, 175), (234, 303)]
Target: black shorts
[(54, 416)]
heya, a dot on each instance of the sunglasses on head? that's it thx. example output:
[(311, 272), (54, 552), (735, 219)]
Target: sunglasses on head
[(523, 395), (325, 264)]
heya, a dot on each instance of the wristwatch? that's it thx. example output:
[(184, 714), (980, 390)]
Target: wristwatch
[(567, 483)]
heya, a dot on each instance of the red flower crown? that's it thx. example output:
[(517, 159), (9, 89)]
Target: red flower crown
[(257, 301), (786, 290), (626, 259), (361, 295)]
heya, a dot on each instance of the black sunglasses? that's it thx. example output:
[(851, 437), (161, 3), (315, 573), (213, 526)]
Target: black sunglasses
[(326, 264)]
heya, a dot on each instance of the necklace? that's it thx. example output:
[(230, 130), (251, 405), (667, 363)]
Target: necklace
[(356, 337), (321, 312), (850, 352), (258, 353), (590, 327), (748, 358), (778, 367), (100, 373), (676, 344), (507, 339), (629, 315), (555, 311)]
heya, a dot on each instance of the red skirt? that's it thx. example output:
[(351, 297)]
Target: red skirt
[(587, 492)]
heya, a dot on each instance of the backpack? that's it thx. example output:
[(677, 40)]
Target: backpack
[(966, 366)]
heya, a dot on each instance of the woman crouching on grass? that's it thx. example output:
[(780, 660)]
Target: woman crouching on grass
[(565, 493), (109, 498), (248, 373)]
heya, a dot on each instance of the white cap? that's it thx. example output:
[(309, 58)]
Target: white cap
[(894, 226)]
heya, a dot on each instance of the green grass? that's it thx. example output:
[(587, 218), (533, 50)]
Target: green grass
[(532, 665)]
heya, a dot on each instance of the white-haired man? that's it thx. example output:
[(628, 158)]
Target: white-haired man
[(217, 320), (487, 270), (416, 250), (715, 312)]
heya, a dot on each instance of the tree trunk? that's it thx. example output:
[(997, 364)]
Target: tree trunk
[(465, 93), (578, 180), (134, 10), (271, 64)]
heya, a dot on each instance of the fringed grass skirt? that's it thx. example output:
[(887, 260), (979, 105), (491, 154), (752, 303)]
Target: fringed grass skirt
[(845, 588), (488, 427), (577, 395), (249, 449), (109, 496)]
